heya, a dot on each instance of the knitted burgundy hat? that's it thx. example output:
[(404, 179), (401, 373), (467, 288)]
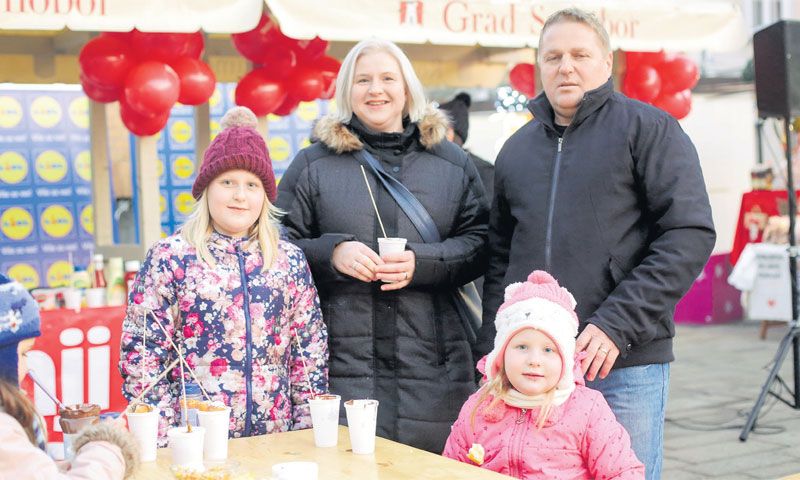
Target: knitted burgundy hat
[(542, 304), (237, 147)]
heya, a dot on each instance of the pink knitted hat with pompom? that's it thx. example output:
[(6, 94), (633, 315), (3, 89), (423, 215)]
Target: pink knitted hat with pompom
[(539, 303), (237, 147)]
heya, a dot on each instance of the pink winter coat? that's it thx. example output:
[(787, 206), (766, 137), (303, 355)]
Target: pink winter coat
[(580, 440), (103, 453)]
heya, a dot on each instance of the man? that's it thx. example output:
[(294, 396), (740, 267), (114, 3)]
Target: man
[(605, 193)]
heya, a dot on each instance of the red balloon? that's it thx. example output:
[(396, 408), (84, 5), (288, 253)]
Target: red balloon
[(141, 125), (677, 104), (642, 82), (644, 58), (196, 79), (305, 83), (152, 88), (522, 79), (314, 48), (253, 44), (678, 72), (124, 36), (99, 93), (106, 61), (287, 107), (163, 47), (280, 61), (260, 91), (328, 67), (195, 45)]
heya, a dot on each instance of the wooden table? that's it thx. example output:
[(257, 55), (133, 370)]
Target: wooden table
[(391, 460)]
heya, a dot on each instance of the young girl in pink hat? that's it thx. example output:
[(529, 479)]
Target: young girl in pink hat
[(534, 418)]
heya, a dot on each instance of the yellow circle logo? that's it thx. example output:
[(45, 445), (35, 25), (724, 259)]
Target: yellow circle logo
[(16, 223), (332, 106), (160, 168), (13, 167), (87, 219), (181, 131), (58, 274), (216, 97), (308, 111), (215, 128), (79, 112), (56, 221), (162, 204), (184, 202), (46, 111), (305, 143), (10, 112), (278, 149), (51, 166), (83, 165), (24, 274), (183, 167)]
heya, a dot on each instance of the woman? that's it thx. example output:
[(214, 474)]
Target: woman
[(400, 342), (104, 450), (233, 296)]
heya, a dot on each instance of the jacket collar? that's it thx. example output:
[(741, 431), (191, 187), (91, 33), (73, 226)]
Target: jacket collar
[(230, 244), (336, 135), (592, 100)]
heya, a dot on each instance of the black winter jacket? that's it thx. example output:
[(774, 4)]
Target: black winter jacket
[(616, 210), (406, 348)]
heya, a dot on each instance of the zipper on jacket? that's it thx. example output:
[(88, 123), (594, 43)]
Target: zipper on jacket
[(517, 439), (548, 239), (249, 357)]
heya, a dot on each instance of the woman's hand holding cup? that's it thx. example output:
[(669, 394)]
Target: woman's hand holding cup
[(357, 260), (397, 268)]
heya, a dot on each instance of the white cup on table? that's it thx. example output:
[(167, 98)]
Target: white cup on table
[(362, 418), (325, 419), (187, 447), (144, 428), (216, 423)]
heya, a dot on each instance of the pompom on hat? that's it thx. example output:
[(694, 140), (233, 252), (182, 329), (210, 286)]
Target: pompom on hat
[(19, 320), (237, 147), (539, 303)]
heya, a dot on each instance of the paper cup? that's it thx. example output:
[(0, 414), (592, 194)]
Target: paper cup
[(144, 427), (69, 451), (295, 471), (187, 448), (73, 298), (95, 297), (215, 445), (391, 245), (325, 418), (362, 416)]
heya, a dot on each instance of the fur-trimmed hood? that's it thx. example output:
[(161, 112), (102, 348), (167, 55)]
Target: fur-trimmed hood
[(335, 134)]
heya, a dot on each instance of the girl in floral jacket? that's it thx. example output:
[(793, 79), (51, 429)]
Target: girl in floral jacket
[(238, 301), (535, 419)]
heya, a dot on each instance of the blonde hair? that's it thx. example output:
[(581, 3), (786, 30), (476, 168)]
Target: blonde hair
[(197, 230), (574, 14), (415, 95), (498, 387)]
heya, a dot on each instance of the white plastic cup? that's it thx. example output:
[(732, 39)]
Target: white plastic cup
[(391, 245), (295, 471), (73, 298), (96, 297), (362, 417), (187, 447), (325, 419), (144, 427), (69, 451), (216, 423)]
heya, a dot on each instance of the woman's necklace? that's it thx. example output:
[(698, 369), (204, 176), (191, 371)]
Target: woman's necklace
[(522, 415)]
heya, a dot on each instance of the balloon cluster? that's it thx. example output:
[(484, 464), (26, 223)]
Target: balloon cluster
[(287, 72), (661, 79), (147, 73), (522, 79)]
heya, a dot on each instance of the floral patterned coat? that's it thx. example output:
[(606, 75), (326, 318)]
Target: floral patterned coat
[(238, 329)]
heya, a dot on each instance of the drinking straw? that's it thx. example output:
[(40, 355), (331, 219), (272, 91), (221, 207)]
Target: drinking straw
[(155, 382), (46, 391), (185, 404), (303, 360), (371, 197), (183, 360)]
